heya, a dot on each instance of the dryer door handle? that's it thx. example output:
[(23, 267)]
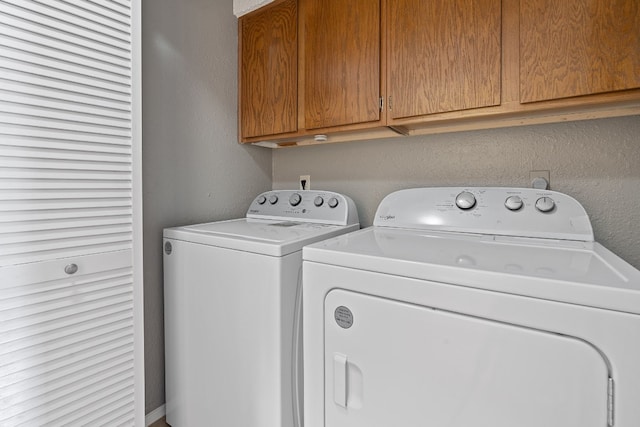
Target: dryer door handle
[(340, 379)]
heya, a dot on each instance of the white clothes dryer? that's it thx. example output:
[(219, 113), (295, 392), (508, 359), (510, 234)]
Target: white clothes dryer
[(232, 310), (471, 307)]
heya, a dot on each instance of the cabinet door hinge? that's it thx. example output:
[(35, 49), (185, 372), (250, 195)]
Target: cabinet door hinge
[(381, 103), (610, 402), (389, 104)]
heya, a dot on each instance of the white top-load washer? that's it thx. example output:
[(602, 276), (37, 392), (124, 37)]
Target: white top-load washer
[(471, 307), (232, 313)]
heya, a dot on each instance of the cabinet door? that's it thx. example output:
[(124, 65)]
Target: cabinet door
[(444, 55), (269, 70), (341, 62), (578, 47)]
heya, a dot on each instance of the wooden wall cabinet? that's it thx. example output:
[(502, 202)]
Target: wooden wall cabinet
[(442, 55), (268, 71), (375, 68), (578, 47), (340, 65)]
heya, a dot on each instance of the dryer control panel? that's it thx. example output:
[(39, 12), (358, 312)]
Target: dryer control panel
[(522, 212), (322, 207)]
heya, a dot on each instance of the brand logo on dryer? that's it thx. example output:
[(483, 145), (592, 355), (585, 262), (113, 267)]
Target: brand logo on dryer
[(343, 317), (387, 217)]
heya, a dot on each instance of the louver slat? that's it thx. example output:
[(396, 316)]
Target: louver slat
[(56, 18), (91, 14), (24, 53), (61, 75), (66, 341), (124, 3), (53, 144), (41, 96), (105, 8), (12, 102), (60, 41)]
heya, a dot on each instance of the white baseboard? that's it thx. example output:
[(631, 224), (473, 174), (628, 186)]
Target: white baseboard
[(155, 415)]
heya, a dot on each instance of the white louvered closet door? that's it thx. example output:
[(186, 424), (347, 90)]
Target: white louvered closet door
[(70, 303)]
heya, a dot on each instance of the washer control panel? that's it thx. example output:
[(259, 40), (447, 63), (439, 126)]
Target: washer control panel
[(323, 207), (523, 212)]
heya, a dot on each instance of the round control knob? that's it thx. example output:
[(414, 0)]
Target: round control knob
[(261, 200), (465, 200), (273, 199), (295, 199), (333, 202), (545, 204), (513, 203), (318, 201)]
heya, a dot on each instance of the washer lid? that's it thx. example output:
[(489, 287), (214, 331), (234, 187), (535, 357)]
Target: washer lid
[(268, 237), (576, 272)]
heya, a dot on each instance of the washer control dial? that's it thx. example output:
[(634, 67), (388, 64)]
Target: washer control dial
[(465, 200), (295, 199), (273, 199), (333, 202), (318, 201), (545, 204), (513, 203), (261, 200)]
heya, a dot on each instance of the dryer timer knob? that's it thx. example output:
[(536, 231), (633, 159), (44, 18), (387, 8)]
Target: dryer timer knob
[(465, 200), (545, 204), (333, 202)]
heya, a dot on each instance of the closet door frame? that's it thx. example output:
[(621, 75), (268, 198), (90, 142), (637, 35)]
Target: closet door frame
[(136, 158)]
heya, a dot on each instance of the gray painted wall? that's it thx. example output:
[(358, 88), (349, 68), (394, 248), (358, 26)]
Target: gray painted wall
[(193, 169), (597, 162)]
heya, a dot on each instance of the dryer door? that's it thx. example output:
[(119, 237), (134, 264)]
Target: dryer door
[(389, 363)]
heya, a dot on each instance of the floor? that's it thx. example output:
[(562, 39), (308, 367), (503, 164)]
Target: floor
[(160, 423)]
